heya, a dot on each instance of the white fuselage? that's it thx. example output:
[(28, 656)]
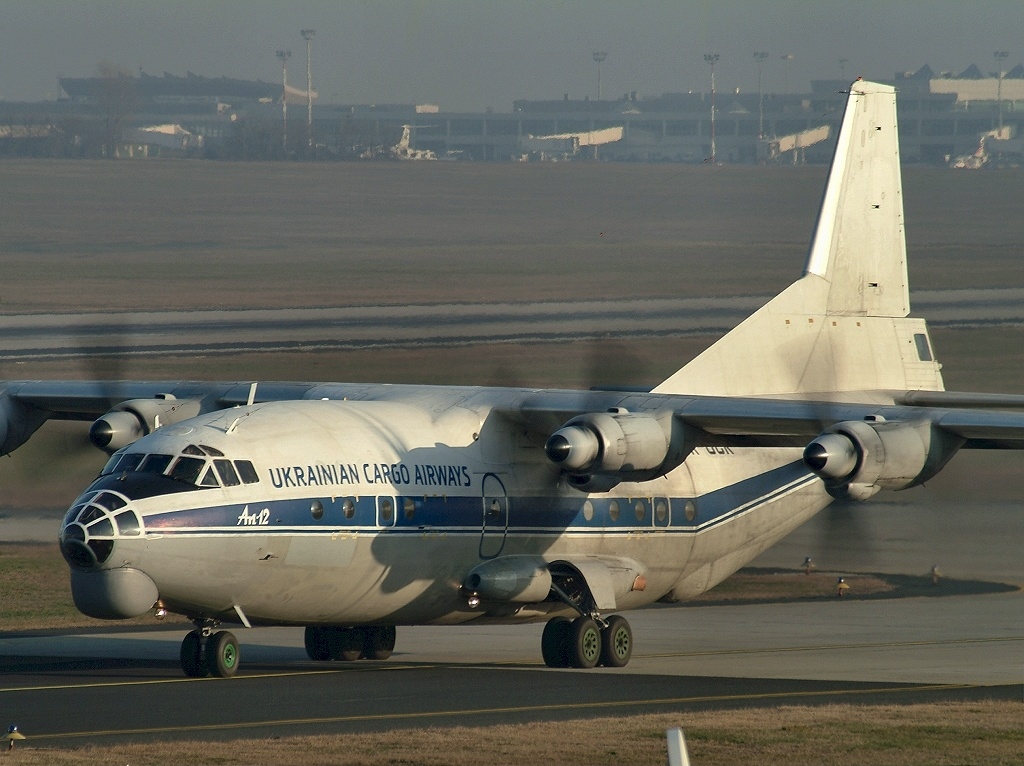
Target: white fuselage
[(375, 511)]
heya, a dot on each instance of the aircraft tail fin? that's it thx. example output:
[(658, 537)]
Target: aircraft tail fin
[(843, 326)]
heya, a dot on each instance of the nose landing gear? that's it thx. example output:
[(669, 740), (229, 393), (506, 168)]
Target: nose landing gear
[(205, 653)]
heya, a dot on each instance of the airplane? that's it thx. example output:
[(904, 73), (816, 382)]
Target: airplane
[(349, 509)]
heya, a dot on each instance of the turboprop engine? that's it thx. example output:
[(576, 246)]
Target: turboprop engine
[(598, 450), (858, 458), (131, 420)]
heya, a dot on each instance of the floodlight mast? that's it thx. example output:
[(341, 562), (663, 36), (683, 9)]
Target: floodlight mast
[(759, 57), (307, 35), (599, 56), (711, 58), (284, 56), (1000, 57)]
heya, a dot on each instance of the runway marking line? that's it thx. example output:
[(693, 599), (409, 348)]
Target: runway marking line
[(505, 710), (184, 680)]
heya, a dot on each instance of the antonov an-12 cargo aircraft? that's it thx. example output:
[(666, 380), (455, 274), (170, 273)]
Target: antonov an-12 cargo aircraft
[(350, 509)]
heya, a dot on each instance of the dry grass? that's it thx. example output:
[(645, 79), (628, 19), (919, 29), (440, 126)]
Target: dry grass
[(195, 234), (933, 734)]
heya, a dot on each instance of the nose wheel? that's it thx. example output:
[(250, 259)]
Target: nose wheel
[(205, 653), (584, 643)]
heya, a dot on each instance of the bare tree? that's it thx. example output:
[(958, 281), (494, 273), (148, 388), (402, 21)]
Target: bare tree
[(116, 96)]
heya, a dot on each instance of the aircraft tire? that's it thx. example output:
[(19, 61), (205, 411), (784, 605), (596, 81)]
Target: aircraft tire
[(222, 654), (346, 644), (584, 643), (380, 642), (616, 642), (554, 642), (192, 655), (315, 640)]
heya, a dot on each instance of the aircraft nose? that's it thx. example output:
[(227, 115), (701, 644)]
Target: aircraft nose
[(92, 527)]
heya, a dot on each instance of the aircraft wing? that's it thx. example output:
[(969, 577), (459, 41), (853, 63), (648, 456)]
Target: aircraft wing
[(749, 421)]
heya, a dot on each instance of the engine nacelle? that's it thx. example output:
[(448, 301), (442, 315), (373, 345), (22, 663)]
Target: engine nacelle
[(133, 419), (858, 458), (17, 423), (598, 450)]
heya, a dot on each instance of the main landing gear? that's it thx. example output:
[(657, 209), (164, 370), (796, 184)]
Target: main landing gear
[(327, 642), (205, 653), (587, 642)]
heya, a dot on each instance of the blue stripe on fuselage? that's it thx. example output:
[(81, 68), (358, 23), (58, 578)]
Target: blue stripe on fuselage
[(544, 513)]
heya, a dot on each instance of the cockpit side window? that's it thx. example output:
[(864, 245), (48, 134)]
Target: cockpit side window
[(227, 473), (155, 463), (128, 462), (247, 471), (187, 469)]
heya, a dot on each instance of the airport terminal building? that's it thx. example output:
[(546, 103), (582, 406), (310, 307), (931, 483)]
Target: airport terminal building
[(943, 116)]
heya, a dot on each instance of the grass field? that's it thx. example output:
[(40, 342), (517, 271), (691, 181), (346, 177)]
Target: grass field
[(840, 735), (122, 235)]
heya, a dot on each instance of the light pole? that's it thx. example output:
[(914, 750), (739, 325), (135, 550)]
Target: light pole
[(787, 58), (599, 56), (307, 35), (284, 56), (1000, 56), (711, 58), (759, 57)]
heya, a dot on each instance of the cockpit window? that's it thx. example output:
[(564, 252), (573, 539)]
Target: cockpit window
[(122, 461), (211, 451), (187, 469), (155, 463), (209, 478), (192, 450), (247, 471), (228, 477)]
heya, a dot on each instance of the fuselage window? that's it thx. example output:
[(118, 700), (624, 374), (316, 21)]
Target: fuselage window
[(640, 509), (187, 469), (228, 477), (155, 463), (348, 508), (247, 472), (613, 510)]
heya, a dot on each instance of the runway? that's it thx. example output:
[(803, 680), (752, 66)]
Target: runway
[(48, 336)]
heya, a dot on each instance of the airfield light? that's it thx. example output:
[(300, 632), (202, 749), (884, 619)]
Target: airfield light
[(284, 56), (788, 58), (599, 56), (307, 35), (1000, 57), (711, 58)]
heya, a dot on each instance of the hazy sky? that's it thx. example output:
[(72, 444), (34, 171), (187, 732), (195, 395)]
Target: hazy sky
[(474, 54)]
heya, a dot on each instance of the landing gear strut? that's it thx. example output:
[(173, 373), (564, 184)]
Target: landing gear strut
[(205, 653), (327, 642), (589, 640)]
